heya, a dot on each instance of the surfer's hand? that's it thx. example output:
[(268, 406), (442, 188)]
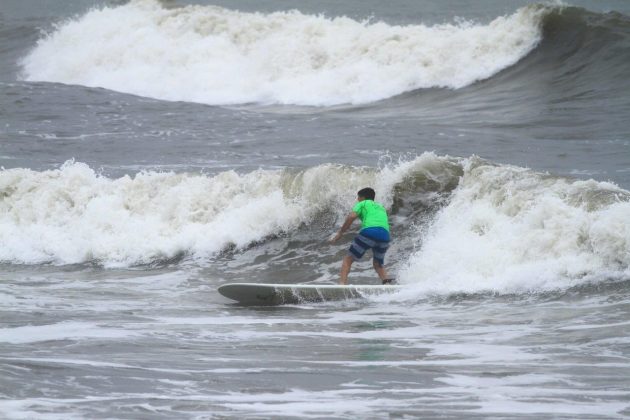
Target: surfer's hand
[(335, 238)]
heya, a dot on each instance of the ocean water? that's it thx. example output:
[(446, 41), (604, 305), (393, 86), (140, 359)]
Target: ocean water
[(152, 151)]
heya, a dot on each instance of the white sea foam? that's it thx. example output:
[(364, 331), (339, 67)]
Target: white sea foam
[(214, 55), (509, 229), (73, 215), (504, 229)]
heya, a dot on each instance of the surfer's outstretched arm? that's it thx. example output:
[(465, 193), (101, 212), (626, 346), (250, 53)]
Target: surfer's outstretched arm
[(346, 225)]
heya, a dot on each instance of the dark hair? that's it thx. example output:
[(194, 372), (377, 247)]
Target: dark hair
[(367, 193)]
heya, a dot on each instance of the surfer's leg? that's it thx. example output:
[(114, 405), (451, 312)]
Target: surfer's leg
[(380, 270), (378, 260), (345, 269), (360, 244)]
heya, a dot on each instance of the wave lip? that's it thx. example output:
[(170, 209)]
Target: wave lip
[(217, 56)]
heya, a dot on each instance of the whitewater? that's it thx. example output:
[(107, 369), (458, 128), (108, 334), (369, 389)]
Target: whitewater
[(217, 56), (499, 229)]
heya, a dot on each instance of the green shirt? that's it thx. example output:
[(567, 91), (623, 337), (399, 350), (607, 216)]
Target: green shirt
[(372, 214)]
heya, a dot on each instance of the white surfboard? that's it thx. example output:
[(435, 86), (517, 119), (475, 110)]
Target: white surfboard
[(279, 294)]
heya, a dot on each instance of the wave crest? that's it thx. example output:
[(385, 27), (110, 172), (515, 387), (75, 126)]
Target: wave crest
[(73, 215), (216, 56), (460, 225)]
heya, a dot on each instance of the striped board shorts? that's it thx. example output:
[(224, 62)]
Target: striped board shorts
[(362, 243)]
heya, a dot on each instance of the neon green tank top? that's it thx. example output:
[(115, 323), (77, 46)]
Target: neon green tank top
[(372, 214)]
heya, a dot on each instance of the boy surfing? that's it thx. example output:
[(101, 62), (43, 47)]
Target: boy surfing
[(374, 235)]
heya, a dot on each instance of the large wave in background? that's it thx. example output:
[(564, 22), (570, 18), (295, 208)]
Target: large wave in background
[(217, 56), (460, 224)]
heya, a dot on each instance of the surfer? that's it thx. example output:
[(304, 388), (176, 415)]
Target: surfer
[(374, 235)]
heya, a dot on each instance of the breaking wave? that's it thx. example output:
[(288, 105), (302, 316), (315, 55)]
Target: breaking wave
[(217, 56), (509, 229), (461, 225)]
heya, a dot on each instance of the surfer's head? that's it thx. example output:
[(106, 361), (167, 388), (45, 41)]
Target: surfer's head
[(366, 194)]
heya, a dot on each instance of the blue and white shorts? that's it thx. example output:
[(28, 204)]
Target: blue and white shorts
[(362, 243)]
